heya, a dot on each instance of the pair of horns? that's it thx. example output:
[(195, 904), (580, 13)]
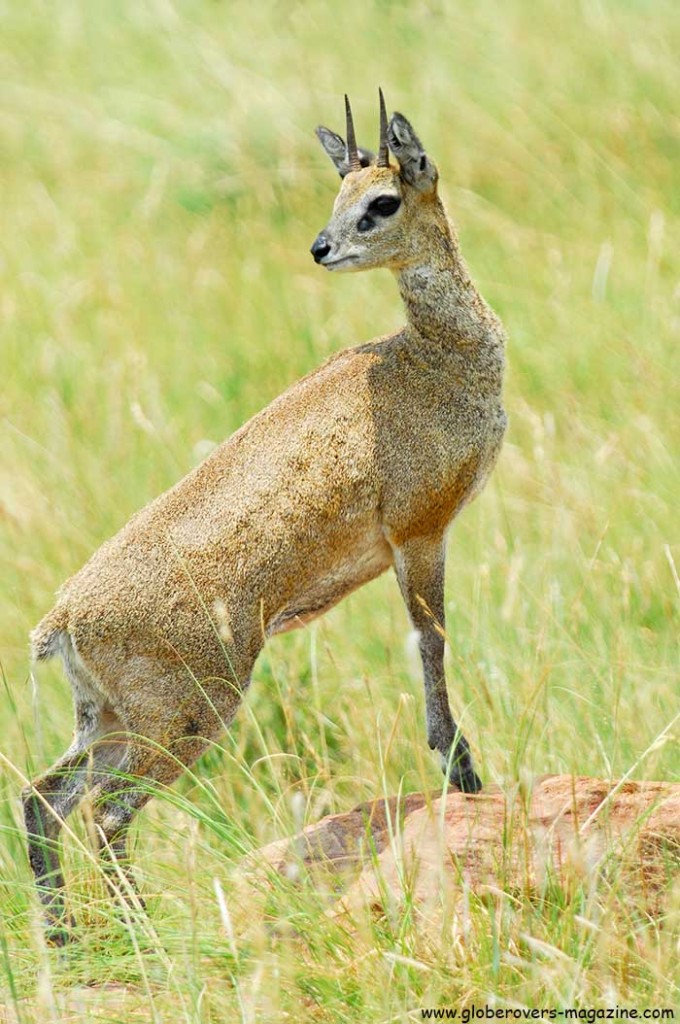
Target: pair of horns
[(353, 158)]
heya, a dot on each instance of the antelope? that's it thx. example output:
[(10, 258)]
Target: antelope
[(359, 467)]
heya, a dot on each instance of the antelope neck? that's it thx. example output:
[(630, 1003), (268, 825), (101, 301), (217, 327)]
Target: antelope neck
[(441, 301)]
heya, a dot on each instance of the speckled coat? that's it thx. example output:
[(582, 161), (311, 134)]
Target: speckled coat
[(358, 467)]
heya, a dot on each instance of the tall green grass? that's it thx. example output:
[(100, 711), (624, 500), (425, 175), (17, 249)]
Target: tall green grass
[(160, 186)]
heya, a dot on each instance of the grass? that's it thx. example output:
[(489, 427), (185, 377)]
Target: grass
[(160, 186)]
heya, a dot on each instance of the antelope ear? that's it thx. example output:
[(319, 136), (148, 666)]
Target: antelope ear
[(334, 146), (415, 166)]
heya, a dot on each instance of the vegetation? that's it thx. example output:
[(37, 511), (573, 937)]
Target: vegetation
[(160, 185)]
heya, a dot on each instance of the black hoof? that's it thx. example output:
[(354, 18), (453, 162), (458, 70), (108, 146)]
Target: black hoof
[(467, 781), (59, 935), (461, 773)]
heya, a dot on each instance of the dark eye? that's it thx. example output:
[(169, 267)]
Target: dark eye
[(385, 206), (365, 224)]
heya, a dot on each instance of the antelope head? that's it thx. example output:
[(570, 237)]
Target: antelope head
[(383, 215)]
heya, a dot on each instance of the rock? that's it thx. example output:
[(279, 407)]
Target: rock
[(561, 830)]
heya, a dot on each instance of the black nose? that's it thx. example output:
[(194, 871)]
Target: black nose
[(320, 248)]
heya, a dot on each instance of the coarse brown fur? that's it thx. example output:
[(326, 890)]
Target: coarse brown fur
[(360, 466)]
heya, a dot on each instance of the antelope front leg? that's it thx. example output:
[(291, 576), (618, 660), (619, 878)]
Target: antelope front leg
[(419, 565)]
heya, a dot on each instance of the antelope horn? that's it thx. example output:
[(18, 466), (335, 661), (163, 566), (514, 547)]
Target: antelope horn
[(383, 153), (352, 152)]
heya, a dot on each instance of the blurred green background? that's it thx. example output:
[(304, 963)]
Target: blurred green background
[(160, 185)]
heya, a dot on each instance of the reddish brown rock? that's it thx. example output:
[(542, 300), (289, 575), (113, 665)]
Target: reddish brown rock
[(561, 830)]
